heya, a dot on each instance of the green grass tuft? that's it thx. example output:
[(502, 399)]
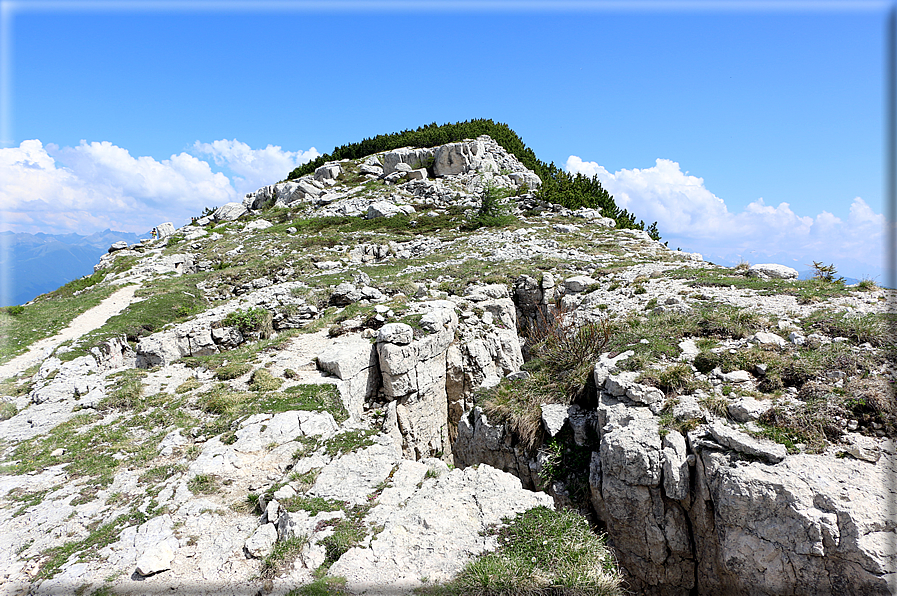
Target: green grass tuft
[(540, 552)]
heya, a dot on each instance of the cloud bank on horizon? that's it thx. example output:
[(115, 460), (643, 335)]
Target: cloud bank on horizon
[(691, 217), (98, 185)]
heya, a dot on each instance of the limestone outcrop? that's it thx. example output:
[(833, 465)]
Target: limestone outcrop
[(324, 398)]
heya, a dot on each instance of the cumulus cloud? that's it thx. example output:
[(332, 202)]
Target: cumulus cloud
[(691, 216), (98, 185), (253, 168)]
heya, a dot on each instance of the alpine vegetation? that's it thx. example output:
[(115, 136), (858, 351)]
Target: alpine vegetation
[(430, 363)]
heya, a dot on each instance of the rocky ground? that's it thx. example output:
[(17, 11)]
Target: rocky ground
[(356, 374)]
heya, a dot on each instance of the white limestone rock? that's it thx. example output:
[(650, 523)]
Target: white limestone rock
[(155, 559), (258, 224), (463, 157), (772, 271), (387, 209), (353, 476), (262, 541), (553, 417), (747, 408), (396, 333), (763, 337), (675, 466), (579, 283), (353, 359), (444, 518), (329, 171), (165, 230), (744, 443), (229, 212)]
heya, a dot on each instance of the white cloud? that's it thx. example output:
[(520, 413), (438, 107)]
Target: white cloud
[(691, 216), (254, 168), (98, 185)]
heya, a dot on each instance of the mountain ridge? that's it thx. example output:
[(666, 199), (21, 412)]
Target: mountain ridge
[(41, 262), (347, 381)]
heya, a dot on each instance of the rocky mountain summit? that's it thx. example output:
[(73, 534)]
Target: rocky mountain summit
[(371, 378)]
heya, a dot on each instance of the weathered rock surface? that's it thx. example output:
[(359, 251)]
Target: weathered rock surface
[(772, 271), (445, 518), (353, 360)]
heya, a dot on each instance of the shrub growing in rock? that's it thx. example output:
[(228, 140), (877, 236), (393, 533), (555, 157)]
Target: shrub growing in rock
[(492, 212), (255, 320)]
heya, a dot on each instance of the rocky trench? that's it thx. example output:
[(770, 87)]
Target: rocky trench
[(716, 511)]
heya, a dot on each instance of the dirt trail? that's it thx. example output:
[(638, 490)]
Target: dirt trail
[(83, 323)]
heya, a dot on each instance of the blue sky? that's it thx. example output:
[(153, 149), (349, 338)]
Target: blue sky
[(747, 130)]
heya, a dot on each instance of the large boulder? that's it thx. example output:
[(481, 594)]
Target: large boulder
[(353, 360), (630, 494), (772, 271), (463, 157), (414, 376), (416, 158), (163, 348), (328, 171), (812, 524), (229, 212), (165, 229)]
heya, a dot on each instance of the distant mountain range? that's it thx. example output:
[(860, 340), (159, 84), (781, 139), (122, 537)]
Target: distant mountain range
[(33, 264)]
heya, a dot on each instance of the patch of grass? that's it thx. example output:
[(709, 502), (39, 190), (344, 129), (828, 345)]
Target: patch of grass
[(322, 586), (263, 381), (867, 285), (812, 423), (518, 404), (127, 390), (232, 371), (673, 380), (166, 301), (313, 505), (160, 473), (540, 552), (7, 410), (349, 441), (222, 401), (49, 314), (92, 450), (188, 385), (716, 404), (98, 538), (860, 329), (204, 484), (282, 557), (663, 331), (348, 532), (19, 385), (728, 321), (305, 481), (317, 398), (25, 499)]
